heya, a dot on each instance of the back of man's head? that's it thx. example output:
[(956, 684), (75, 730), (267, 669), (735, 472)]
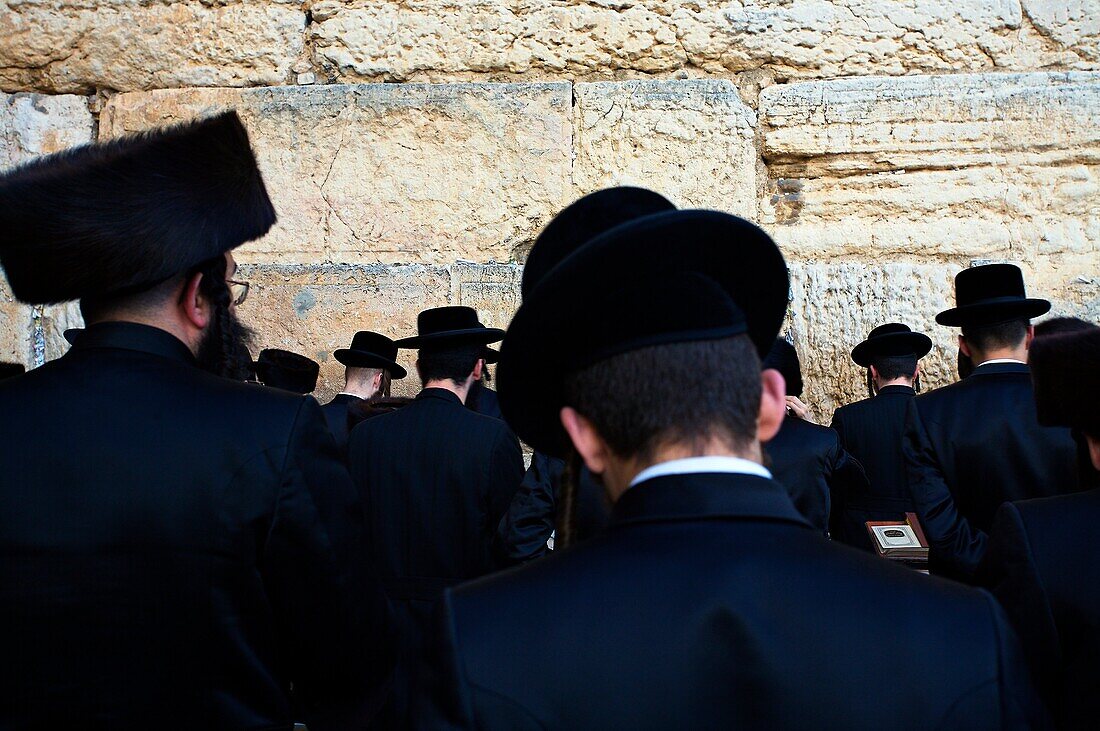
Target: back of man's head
[(453, 364), (693, 392), (1000, 336), (892, 367)]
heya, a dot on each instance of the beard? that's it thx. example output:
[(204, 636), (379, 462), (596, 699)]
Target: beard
[(225, 348)]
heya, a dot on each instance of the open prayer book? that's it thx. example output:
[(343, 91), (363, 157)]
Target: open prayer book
[(900, 540)]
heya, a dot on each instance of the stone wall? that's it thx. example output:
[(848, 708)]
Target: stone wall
[(414, 149)]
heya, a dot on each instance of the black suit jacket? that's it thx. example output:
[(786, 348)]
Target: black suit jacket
[(973, 445), (809, 461), (436, 479), (872, 431), (487, 403), (176, 549), (532, 515), (711, 603), (336, 415), (1041, 565)]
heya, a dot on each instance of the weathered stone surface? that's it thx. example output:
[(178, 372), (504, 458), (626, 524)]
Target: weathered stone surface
[(32, 125), (491, 289), (834, 306), (396, 174), (64, 46), (691, 140), (962, 167), (315, 310), (596, 39)]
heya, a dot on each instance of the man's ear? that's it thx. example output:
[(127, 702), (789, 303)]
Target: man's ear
[(964, 347), (874, 374), (478, 367), (1030, 337), (194, 306), (586, 440), (773, 404)]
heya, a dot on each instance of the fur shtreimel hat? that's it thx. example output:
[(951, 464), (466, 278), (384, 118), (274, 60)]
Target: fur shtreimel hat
[(784, 358), (653, 275), (286, 370), (125, 215), (1065, 370)]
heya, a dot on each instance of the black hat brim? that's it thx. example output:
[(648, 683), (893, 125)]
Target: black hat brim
[(992, 313), (365, 359), (453, 338), (892, 344), (535, 357), (491, 356)]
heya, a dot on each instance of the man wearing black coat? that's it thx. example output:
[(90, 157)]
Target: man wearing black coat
[(180, 548), (976, 444), (872, 430), (436, 479), (1041, 558), (808, 459), (370, 366), (709, 602)]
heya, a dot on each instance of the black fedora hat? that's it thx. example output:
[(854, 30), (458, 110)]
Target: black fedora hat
[(784, 358), (125, 215), (669, 277), (991, 294), (583, 220), (449, 327), (11, 370), (1063, 370), (371, 350), (891, 339), (286, 370)]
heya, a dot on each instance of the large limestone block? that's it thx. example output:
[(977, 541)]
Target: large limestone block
[(491, 289), (391, 173), (597, 39), (33, 125), (967, 166), (77, 45), (313, 310), (692, 141), (834, 306)]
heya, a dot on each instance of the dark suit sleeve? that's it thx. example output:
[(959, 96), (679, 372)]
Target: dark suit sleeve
[(1009, 572), (330, 611), (505, 476), (443, 695), (956, 548), (838, 426), (845, 476), (526, 527)]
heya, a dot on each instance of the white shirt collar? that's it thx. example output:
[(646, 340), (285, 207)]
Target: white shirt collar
[(353, 395), (693, 465), (1000, 360)]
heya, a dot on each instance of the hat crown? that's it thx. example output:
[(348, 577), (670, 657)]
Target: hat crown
[(988, 283), (446, 319), (890, 328), (287, 360), (371, 342), (784, 358), (130, 213), (582, 221)]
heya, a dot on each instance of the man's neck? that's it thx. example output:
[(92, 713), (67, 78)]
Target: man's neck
[(896, 382), (448, 385), (1019, 354), (160, 323), (621, 473), (358, 391)]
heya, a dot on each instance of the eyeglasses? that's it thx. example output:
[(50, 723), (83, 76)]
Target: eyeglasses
[(238, 291)]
